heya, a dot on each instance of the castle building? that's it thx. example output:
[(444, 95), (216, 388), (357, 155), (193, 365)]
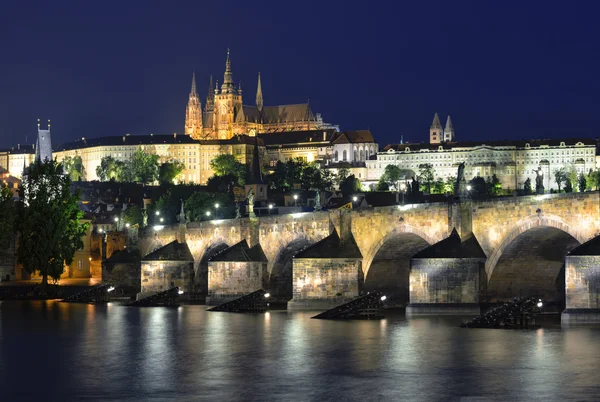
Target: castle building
[(513, 162), (225, 115)]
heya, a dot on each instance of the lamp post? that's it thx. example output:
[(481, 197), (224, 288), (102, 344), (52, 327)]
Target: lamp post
[(208, 214), (217, 209), (270, 208), (295, 200), (402, 189)]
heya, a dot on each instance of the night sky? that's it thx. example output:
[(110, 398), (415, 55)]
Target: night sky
[(504, 70)]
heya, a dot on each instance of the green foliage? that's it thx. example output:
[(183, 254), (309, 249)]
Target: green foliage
[(479, 187), (572, 177), (308, 175), (527, 186), (392, 175), (593, 179), (568, 187), (495, 187), (222, 184), (582, 182), (200, 203), (169, 171), (560, 177), (133, 215), (449, 185), (74, 168), (426, 175), (226, 164), (343, 172), (110, 169), (7, 216), (439, 186), (382, 185), (144, 167), (49, 225), (350, 185)]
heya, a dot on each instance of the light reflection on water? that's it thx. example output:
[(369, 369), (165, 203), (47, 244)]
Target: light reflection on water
[(121, 353)]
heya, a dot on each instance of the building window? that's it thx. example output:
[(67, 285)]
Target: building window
[(336, 156), (345, 156)]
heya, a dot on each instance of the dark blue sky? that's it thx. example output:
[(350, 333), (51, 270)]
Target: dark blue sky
[(522, 69)]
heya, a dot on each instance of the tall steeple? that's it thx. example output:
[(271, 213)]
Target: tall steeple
[(210, 96), (436, 130), (193, 113), (449, 131), (259, 96), (228, 86)]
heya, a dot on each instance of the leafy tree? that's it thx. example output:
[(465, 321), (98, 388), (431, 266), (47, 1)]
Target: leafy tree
[(222, 184), (593, 179), (227, 164), (439, 187), (527, 186), (382, 185), (327, 178), (49, 221), (392, 175), (342, 174), (169, 171), (426, 176), (572, 177), (199, 203), (133, 215), (560, 177), (73, 166), (495, 187), (350, 185), (479, 187), (449, 185), (110, 169), (582, 182), (144, 166), (568, 187), (311, 177), (7, 216)]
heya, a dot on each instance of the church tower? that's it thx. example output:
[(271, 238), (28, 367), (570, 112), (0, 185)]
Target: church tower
[(227, 103), (43, 145), (193, 113), (259, 97), (449, 131), (435, 131), (209, 106)]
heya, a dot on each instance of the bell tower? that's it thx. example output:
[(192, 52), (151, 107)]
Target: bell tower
[(193, 113), (227, 103), (435, 131)]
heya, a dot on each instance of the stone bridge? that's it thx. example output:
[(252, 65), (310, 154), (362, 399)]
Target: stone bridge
[(525, 240)]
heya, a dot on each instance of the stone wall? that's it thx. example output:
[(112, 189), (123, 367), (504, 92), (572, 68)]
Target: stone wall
[(447, 280), (125, 277), (231, 279), (326, 279), (158, 276), (582, 282)]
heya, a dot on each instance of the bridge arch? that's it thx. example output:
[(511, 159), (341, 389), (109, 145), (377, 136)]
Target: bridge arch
[(530, 259), (387, 263), (281, 268), (201, 268)]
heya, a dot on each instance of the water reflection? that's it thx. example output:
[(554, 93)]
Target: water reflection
[(121, 353)]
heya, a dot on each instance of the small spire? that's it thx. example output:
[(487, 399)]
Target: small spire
[(449, 124), (193, 90), (259, 95), (228, 86), (210, 96), (240, 88), (436, 122), (217, 88)]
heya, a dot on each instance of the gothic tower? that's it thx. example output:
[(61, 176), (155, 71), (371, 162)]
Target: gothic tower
[(209, 106), (193, 113), (435, 131), (227, 103), (43, 145), (449, 131), (259, 96)]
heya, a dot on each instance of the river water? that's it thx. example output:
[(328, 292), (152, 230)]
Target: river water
[(63, 352)]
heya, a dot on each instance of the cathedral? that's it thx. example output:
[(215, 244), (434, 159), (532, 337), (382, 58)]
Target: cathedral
[(225, 115)]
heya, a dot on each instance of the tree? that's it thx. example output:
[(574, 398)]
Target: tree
[(350, 185), (593, 179), (109, 169), (449, 184), (568, 187), (392, 175), (169, 171), (74, 168), (479, 187), (199, 203), (144, 167), (572, 177), (133, 215), (221, 184), (426, 175), (382, 185), (560, 177), (582, 182), (495, 187), (7, 216), (49, 225), (342, 174), (527, 186), (439, 187), (226, 164)]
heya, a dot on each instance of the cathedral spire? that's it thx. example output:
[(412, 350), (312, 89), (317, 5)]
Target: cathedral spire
[(228, 86), (449, 131), (259, 96), (193, 112), (193, 90), (210, 96), (436, 122)]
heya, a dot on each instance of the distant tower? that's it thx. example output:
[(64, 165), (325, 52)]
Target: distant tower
[(449, 131), (209, 106), (435, 131), (43, 145), (193, 113), (259, 96), (227, 103)]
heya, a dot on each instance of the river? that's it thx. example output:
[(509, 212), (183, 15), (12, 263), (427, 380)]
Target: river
[(63, 352)]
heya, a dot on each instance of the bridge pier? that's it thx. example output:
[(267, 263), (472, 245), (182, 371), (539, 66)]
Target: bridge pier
[(582, 285), (447, 278)]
